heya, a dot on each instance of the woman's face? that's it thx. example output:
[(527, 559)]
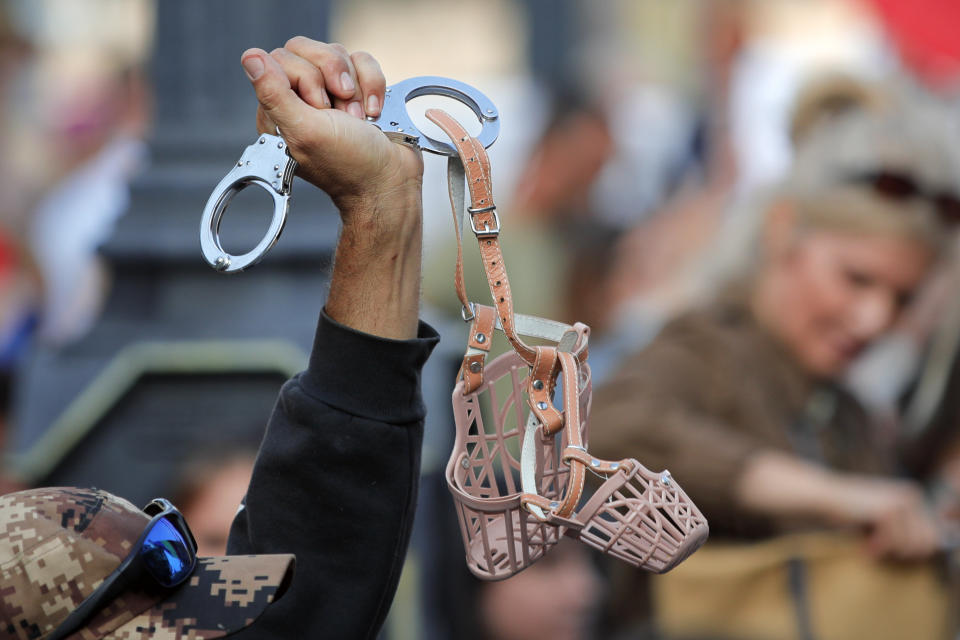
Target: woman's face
[(829, 294)]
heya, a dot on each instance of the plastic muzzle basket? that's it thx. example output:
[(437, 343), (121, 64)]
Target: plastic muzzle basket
[(643, 518), (483, 473), (636, 515)]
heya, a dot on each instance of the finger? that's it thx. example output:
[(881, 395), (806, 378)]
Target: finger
[(264, 123), (922, 536), (924, 539), (901, 534), (874, 544), (333, 62), (934, 536), (278, 100), (371, 82), (878, 541), (911, 543), (353, 105), (304, 78)]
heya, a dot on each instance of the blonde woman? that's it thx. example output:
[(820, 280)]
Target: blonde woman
[(739, 398)]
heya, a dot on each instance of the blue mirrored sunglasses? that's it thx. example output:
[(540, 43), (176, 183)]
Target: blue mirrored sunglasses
[(166, 551)]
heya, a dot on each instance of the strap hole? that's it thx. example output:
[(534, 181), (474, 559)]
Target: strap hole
[(501, 299), (498, 283)]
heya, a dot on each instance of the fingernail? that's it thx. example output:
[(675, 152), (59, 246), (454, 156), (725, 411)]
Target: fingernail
[(346, 82), (373, 105), (253, 65), (355, 110)]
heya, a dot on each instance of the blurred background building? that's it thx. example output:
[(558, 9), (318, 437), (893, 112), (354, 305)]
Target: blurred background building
[(633, 133)]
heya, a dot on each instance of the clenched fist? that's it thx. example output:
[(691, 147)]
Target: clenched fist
[(318, 95)]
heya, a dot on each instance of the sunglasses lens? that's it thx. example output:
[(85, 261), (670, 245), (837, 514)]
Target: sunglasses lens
[(167, 553), (901, 186), (893, 185), (949, 208)]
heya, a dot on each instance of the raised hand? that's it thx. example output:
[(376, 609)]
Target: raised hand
[(318, 95)]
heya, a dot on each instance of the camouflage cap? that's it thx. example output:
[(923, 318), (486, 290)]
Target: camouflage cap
[(58, 544)]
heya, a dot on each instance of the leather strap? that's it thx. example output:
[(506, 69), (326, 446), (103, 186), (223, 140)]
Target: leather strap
[(455, 180), (536, 504), (596, 465), (567, 338), (485, 223), (572, 430), (540, 385), (472, 165), (478, 347), (622, 518)]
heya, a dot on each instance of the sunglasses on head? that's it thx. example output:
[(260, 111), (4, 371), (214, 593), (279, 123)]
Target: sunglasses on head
[(902, 186), (165, 553)]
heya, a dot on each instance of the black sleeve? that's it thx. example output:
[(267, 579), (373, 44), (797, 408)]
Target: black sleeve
[(335, 483)]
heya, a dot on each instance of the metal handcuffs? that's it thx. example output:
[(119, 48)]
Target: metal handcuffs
[(267, 163)]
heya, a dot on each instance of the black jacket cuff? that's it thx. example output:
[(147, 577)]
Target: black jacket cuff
[(366, 375)]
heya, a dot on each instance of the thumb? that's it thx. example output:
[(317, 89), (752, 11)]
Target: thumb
[(280, 103)]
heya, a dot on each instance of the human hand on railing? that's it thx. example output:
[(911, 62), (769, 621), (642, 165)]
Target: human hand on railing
[(318, 95)]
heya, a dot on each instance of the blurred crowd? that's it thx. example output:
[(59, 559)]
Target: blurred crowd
[(760, 233)]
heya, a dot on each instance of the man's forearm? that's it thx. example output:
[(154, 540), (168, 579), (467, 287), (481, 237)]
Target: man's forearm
[(374, 182), (375, 286)]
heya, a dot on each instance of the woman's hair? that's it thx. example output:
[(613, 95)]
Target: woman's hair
[(859, 150), (872, 163), (830, 96)]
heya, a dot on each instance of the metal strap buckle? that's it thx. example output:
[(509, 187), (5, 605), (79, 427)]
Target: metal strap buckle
[(486, 231)]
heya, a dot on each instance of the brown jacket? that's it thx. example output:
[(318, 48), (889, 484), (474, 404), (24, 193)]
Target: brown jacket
[(708, 392)]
